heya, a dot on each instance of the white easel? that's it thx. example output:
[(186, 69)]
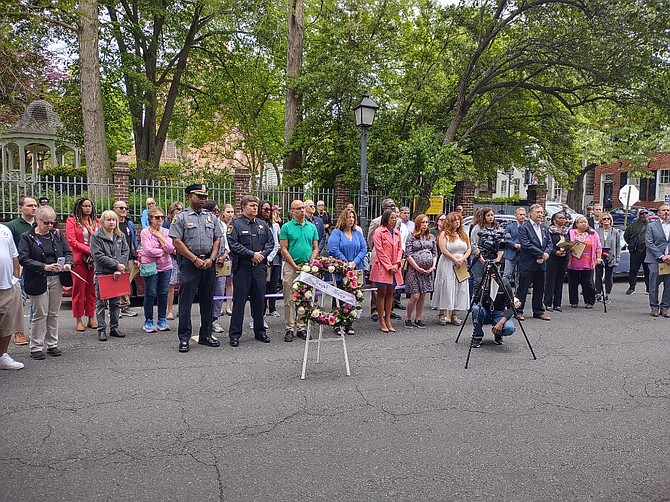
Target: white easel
[(320, 339)]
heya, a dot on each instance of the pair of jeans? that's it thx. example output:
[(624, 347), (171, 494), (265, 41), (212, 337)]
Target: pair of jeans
[(481, 315), (156, 289)]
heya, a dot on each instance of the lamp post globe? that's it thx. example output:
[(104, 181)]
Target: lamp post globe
[(364, 114)]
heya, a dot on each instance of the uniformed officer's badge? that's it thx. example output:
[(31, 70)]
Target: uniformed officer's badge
[(230, 229)]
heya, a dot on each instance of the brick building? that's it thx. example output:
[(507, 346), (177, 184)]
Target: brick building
[(609, 178)]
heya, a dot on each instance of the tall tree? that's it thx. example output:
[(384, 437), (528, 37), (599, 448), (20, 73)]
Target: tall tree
[(82, 21), (153, 42), (293, 109)]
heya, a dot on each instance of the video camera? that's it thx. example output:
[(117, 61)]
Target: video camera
[(491, 240)]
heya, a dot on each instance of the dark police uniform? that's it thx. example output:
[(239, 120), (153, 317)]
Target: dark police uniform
[(198, 232), (246, 237)]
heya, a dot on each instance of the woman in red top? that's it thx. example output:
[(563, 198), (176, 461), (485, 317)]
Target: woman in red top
[(78, 229), (386, 267)]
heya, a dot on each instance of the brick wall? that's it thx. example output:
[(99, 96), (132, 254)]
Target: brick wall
[(121, 175), (242, 179), (536, 194), (464, 194), (342, 196)]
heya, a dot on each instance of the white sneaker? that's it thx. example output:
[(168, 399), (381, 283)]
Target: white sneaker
[(7, 363), (217, 328), (251, 324)]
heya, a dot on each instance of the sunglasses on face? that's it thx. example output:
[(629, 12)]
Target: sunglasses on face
[(159, 217), (122, 208), (48, 222)]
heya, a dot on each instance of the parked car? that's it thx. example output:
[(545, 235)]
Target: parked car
[(552, 208), (503, 219)]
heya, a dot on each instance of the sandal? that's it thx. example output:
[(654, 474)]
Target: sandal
[(170, 316), (455, 321), (351, 331)]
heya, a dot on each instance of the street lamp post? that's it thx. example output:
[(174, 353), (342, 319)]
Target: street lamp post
[(365, 116)]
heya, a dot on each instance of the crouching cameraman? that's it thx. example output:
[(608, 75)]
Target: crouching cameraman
[(493, 306)]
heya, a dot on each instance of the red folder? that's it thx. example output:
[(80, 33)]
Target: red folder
[(109, 288)]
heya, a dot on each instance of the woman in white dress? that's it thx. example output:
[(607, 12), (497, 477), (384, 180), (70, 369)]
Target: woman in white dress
[(450, 296)]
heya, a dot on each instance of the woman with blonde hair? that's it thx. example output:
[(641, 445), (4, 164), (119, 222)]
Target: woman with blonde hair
[(610, 239), (109, 249), (421, 255), (450, 295)]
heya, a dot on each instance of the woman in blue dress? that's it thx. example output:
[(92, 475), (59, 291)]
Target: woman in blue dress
[(346, 243)]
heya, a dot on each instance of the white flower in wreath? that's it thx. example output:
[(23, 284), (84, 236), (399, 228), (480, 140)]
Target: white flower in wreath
[(296, 286), (308, 294), (331, 269), (301, 310), (316, 313), (306, 268), (356, 314), (315, 269)]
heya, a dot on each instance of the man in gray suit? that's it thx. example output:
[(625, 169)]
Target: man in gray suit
[(657, 240)]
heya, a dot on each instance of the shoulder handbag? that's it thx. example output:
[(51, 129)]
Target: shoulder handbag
[(148, 269)]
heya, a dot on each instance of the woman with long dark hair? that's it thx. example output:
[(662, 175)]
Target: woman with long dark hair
[(386, 267), (79, 228)]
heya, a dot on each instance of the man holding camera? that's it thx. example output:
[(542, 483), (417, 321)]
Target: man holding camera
[(494, 305), (536, 245)]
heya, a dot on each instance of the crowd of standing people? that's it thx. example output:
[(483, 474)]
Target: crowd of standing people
[(201, 249)]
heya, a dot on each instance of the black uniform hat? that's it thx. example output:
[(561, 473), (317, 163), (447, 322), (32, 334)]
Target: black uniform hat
[(196, 188)]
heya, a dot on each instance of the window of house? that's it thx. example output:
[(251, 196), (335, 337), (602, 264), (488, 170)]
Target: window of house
[(503, 188), (663, 177), (517, 185), (557, 192)]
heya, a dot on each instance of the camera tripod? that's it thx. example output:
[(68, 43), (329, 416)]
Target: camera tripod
[(491, 272)]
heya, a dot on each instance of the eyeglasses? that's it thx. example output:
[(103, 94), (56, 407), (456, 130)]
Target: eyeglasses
[(159, 217), (607, 219), (48, 222), (122, 208), (267, 209)]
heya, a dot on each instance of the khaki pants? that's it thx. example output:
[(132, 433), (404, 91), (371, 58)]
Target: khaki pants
[(11, 311), (133, 271), (288, 275), (45, 320)]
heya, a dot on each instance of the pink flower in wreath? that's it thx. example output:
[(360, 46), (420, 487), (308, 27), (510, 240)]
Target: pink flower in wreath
[(331, 320)]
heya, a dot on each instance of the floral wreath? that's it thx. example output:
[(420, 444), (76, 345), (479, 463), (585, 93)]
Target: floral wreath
[(303, 294)]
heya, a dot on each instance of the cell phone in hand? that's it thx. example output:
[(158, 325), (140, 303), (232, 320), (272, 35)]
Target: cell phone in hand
[(61, 262)]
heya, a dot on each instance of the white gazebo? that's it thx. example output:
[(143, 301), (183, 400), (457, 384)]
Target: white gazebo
[(33, 135)]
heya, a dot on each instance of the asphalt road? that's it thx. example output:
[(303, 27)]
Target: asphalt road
[(133, 419)]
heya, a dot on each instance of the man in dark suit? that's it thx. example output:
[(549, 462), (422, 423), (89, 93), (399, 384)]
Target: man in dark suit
[(657, 240), (513, 247), (535, 248), (595, 217)]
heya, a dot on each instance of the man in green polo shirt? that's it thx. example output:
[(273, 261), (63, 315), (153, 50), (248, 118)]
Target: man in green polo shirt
[(299, 241), (19, 226)]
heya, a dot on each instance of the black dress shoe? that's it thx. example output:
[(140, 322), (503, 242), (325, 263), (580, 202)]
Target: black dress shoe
[(264, 339), (374, 317), (116, 333), (399, 306), (210, 342), (303, 334), (395, 316), (234, 342), (183, 346), (102, 336)]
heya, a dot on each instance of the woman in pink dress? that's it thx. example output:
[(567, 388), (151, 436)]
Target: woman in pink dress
[(386, 267)]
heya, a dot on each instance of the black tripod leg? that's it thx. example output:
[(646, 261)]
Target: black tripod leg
[(510, 299), (602, 282), (478, 290)]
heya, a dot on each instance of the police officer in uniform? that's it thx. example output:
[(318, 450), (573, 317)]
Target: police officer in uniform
[(250, 241), (196, 237)]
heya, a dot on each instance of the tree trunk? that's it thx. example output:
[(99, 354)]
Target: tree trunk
[(95, 145), (575, 197), (293, 113)]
